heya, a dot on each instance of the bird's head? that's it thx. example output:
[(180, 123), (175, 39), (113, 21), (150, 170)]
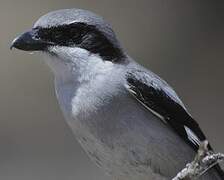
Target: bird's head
[(71, 34)]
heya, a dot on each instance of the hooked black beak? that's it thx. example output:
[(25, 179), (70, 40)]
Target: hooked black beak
[(29, 41)]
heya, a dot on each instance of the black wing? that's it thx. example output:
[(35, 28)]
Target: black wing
[(157, 96)]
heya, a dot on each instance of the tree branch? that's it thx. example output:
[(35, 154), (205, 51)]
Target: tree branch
[(203, 161)]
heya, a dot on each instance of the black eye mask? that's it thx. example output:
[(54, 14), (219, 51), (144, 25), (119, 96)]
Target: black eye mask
[(81, 35)]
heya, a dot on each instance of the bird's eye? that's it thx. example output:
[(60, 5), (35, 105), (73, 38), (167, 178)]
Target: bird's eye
[(57, 34), (44, 34), (62, 35), (73, 31)]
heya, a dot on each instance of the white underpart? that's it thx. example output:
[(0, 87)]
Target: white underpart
[(192, 136), (89, 70), (80, 63)]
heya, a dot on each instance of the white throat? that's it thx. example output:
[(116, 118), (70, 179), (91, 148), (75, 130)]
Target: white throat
[(73, 63), (78, 74)]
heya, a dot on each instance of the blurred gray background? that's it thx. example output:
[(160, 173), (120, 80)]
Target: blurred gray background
[(182, 41)]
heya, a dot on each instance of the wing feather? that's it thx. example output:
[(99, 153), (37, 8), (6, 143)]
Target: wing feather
[(160, 99)]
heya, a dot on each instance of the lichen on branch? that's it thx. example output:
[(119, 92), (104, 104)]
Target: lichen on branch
[(203, 161)]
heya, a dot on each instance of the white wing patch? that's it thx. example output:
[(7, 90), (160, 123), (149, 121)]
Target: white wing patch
[(192, 136), (133, 93)]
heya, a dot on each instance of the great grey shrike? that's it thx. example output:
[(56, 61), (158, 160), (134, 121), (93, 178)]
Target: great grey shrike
[(129, 121)]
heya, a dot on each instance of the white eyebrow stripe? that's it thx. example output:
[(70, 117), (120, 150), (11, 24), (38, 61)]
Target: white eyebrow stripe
[(192, 136)]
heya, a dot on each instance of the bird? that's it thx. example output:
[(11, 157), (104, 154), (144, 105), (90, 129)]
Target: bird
[(128, 120)]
